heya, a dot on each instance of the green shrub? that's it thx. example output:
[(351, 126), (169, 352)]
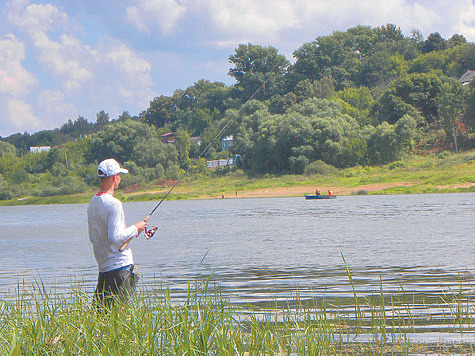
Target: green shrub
[(444, 155), (320, 168), (396, 164), (5, 191), (298, 164), (62, 186)]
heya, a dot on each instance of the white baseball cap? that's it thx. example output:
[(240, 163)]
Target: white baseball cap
[(109, 167)]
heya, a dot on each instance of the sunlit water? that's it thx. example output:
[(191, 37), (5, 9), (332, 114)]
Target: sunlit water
[(263, 251)]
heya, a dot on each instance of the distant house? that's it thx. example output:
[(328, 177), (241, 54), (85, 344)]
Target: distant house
[(218, 163), (467, 77), (227, 142), (168, 137), (38, 149)]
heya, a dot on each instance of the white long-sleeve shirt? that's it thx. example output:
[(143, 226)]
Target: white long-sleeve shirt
[(108, 232)]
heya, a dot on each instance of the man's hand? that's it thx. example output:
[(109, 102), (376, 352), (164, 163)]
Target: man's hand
[(140, 226)]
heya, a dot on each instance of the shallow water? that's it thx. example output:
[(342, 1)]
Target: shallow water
[(263, 251)]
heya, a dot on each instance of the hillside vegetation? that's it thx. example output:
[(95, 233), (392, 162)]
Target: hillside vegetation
[(366, 97)]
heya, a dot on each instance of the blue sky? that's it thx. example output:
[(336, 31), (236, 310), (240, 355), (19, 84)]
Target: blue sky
[(60, 59)]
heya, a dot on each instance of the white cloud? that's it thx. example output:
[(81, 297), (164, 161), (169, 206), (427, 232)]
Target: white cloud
[(20, 115), (52, 105), (463, 19), (34, 18), (111, 75), (65, 59), (249, 18), (124, 58), (15, 84), (164, 13), (228, 22), (15, 80), (445, 17), (125, 73)]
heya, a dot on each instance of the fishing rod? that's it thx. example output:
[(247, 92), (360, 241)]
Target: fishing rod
[(149, 233)]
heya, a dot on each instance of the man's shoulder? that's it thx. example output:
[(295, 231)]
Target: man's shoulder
[(111, 200), (105, 199)]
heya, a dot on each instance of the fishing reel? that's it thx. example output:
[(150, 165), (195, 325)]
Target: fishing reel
[(149, 233)]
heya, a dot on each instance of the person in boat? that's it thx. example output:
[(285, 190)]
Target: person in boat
[(330, 193), (118, 275), (317, 192)]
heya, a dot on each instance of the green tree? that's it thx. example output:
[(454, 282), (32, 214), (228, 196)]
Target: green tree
[(342, 55), (20, 141), (162, 110), (151, 152), (306, 89), (452, 108), (456, 40), (117, 141), (382, 144), (387, 143), (436, 60), (281, 104), (462, 59), (183, 143), (406, 131), (79, 128), (102, 119), (391, 108), (434, 42), (254, 65), (381, 68), (417, 90), (314, 129), (357, 102), (7, 149), (124, 116), (353, 151), (5, 189), (469, 115)]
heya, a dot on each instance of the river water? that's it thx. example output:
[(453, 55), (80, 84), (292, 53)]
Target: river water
[(263, 250)]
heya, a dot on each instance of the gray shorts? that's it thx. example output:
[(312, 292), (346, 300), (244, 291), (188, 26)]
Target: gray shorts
[(117, 284)]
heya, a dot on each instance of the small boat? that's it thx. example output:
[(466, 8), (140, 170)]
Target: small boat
[(314, 196)]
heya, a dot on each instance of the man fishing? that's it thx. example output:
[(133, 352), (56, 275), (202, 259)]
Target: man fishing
[(118, 276)]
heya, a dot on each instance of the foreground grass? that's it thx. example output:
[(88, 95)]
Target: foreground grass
[(205, 323), (442, 173)]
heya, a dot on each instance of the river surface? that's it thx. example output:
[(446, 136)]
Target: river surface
[(263, 250)]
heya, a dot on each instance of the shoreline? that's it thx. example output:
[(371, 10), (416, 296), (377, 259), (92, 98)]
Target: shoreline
[(301, 190), (376, 189), (186, 193)]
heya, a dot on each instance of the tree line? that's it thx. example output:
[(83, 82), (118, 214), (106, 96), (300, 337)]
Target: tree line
[(363, 96)]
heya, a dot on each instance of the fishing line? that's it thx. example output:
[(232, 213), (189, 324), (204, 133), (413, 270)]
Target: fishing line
[(149, 233)]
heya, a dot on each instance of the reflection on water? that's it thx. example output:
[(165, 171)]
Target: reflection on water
[(267, 251)]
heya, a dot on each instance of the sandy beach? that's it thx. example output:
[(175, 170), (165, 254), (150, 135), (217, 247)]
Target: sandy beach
[(301, 190)]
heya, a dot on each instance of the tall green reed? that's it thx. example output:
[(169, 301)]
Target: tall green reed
[(204, 322)]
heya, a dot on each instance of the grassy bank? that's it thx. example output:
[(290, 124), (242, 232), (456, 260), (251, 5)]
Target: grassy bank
[(205, 323), (442, 173)]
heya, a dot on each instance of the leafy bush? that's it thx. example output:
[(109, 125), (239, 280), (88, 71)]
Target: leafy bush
[(444, 155), (298, 164), (396, 164), (320, 168), (7, 149), (5, 191), (62, 186)]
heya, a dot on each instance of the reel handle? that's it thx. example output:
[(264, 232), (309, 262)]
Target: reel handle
[(122, 248)]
